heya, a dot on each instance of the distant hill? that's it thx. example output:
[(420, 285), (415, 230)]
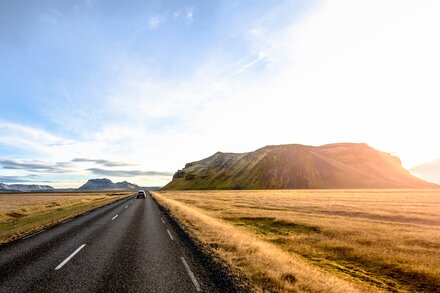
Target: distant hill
[(429, 171), (24, 187), (107, 184), (294, 166)]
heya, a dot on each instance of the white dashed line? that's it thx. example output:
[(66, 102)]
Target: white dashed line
[(70, 256), (114, 217), (126, 206), (191, 275), (169, 233), (162, 220)]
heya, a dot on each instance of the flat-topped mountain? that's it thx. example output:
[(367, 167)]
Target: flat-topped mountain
[(107, 184), (294, 166)]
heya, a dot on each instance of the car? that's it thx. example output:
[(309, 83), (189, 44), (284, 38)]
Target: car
[(141, 194)]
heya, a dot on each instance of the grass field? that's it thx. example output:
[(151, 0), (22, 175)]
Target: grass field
[(319, 240), (22, 214)]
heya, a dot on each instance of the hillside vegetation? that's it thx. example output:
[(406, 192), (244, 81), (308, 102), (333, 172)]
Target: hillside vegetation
[(345, 165)]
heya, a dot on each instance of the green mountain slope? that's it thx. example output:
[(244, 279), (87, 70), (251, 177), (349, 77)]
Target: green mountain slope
[(343, 165)]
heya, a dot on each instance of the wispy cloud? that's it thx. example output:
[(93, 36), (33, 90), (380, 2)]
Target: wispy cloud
[(106, 163), (28, 137), (13, 179), (189, 15), (154, 21), (33, 166), (127, 173), (261, 56)]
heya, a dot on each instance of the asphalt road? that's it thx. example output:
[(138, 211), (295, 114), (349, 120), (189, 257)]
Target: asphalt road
[(127, 246)]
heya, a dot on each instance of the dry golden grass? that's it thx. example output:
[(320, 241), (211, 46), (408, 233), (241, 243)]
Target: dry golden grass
[(25, 213), (319, 240)]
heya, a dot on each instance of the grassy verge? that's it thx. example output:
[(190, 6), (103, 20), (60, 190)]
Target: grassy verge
[(25, 214), (319, 241)]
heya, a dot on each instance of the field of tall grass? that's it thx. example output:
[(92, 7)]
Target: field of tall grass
[(318, 240), (22, 214)]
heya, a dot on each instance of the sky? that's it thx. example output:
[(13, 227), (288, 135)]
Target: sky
[(132, 90)]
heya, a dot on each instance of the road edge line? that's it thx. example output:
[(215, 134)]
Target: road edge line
[(191, 275)]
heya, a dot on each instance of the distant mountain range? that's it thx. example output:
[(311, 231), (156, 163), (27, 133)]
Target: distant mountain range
[(25, 187), (91, 185), (107, 184), (294, 166)]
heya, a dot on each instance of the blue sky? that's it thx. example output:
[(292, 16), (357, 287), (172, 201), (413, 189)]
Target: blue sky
[(151, 85)]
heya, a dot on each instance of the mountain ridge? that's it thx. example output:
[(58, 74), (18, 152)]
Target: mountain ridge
[(296, 166), (107, 184)]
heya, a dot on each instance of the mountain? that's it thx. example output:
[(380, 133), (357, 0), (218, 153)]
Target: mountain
[(429, 171), (107, 184), (24, 187), (294, 166)]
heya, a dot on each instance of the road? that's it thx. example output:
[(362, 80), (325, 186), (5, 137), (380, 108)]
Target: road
[(127, 246)]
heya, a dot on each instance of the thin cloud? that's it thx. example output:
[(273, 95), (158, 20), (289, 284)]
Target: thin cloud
[(33, 166), (12, 179), (155, 21), (124, 173), (106, 163), (189, 15), (30, 178), (261, 56)]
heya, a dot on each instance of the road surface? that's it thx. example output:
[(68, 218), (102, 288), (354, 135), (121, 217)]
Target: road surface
[(127, 246)]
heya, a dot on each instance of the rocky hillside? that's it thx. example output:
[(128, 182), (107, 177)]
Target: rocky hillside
[(107, 184), (343, 165)]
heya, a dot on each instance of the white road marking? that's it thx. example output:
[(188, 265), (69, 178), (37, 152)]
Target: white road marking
[(68, 258), (114, 217), (169, 233), (126, 206), (162, 220), (32, 235), (191, 275)]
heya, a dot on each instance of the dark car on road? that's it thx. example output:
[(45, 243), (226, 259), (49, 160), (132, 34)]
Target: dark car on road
[(141, 194)]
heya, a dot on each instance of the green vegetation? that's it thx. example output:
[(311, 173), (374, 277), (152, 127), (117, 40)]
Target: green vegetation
[(24, 214), (297, 167), (272, 226)]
